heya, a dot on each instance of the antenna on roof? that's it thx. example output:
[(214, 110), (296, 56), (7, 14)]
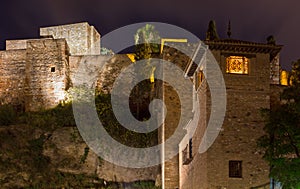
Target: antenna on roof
[(229, 29)]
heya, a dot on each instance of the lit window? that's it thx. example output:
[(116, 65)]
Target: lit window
[(237, 65), (235, 169)]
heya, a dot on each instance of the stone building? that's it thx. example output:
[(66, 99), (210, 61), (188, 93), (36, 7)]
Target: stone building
[(251, 73), (36, 73)]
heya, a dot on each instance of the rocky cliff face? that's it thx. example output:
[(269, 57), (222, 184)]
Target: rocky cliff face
[(33, 157)]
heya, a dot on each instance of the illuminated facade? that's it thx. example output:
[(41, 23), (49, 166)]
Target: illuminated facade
[(252, 73), (252, 76)]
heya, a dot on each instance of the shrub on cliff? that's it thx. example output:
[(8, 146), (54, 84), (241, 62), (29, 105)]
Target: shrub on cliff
[(7, 115), (60, 116)]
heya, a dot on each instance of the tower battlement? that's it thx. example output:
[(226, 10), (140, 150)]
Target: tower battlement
[(82, 38)]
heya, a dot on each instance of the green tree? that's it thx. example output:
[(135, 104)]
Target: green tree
[(212, 33), (146, 42), (282, 140)]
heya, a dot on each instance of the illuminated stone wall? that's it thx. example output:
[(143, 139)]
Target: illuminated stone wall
[(82, 38), (16, 44), (47, 72), (12, 77), (26, 77), (35, 73), (243, 124), (178, 54), (106, 76), (247, 93), (195, 173)]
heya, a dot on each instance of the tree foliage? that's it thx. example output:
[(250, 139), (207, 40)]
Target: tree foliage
[(282, 140), (212, 33), (146, 42), (116, 130), (7, 114)]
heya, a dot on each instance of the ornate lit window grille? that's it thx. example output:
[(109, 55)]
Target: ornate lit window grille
[(237, 65), (235, 169)]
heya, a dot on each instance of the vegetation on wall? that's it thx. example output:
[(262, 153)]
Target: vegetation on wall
[(212, 33), (146, 42), (7, 115), (85, 154), (24, 153), (117, 131), (282, 140), (61, 115)]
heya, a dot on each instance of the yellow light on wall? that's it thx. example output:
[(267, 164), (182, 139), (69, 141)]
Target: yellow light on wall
[(152, 78), (284, 77), (131, 57)]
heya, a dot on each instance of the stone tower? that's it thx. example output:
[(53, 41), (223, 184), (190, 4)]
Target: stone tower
[(233, 161), (36, 73)]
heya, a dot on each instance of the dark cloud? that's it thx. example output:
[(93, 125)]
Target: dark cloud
[(251, 20)]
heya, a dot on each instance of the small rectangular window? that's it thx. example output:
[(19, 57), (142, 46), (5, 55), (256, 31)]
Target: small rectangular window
[(191, 148), (235, 169), (52, 69)]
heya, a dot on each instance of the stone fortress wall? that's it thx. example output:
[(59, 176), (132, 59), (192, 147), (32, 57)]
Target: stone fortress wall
[(36, 73)]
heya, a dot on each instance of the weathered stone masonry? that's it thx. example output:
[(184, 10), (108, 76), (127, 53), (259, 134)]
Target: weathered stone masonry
[(247, 94), (35, 73)]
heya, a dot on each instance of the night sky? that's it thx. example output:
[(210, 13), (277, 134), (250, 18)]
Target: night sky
[(251, 20)]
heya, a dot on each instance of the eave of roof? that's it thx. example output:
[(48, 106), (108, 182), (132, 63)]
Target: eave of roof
[(242, 46)]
